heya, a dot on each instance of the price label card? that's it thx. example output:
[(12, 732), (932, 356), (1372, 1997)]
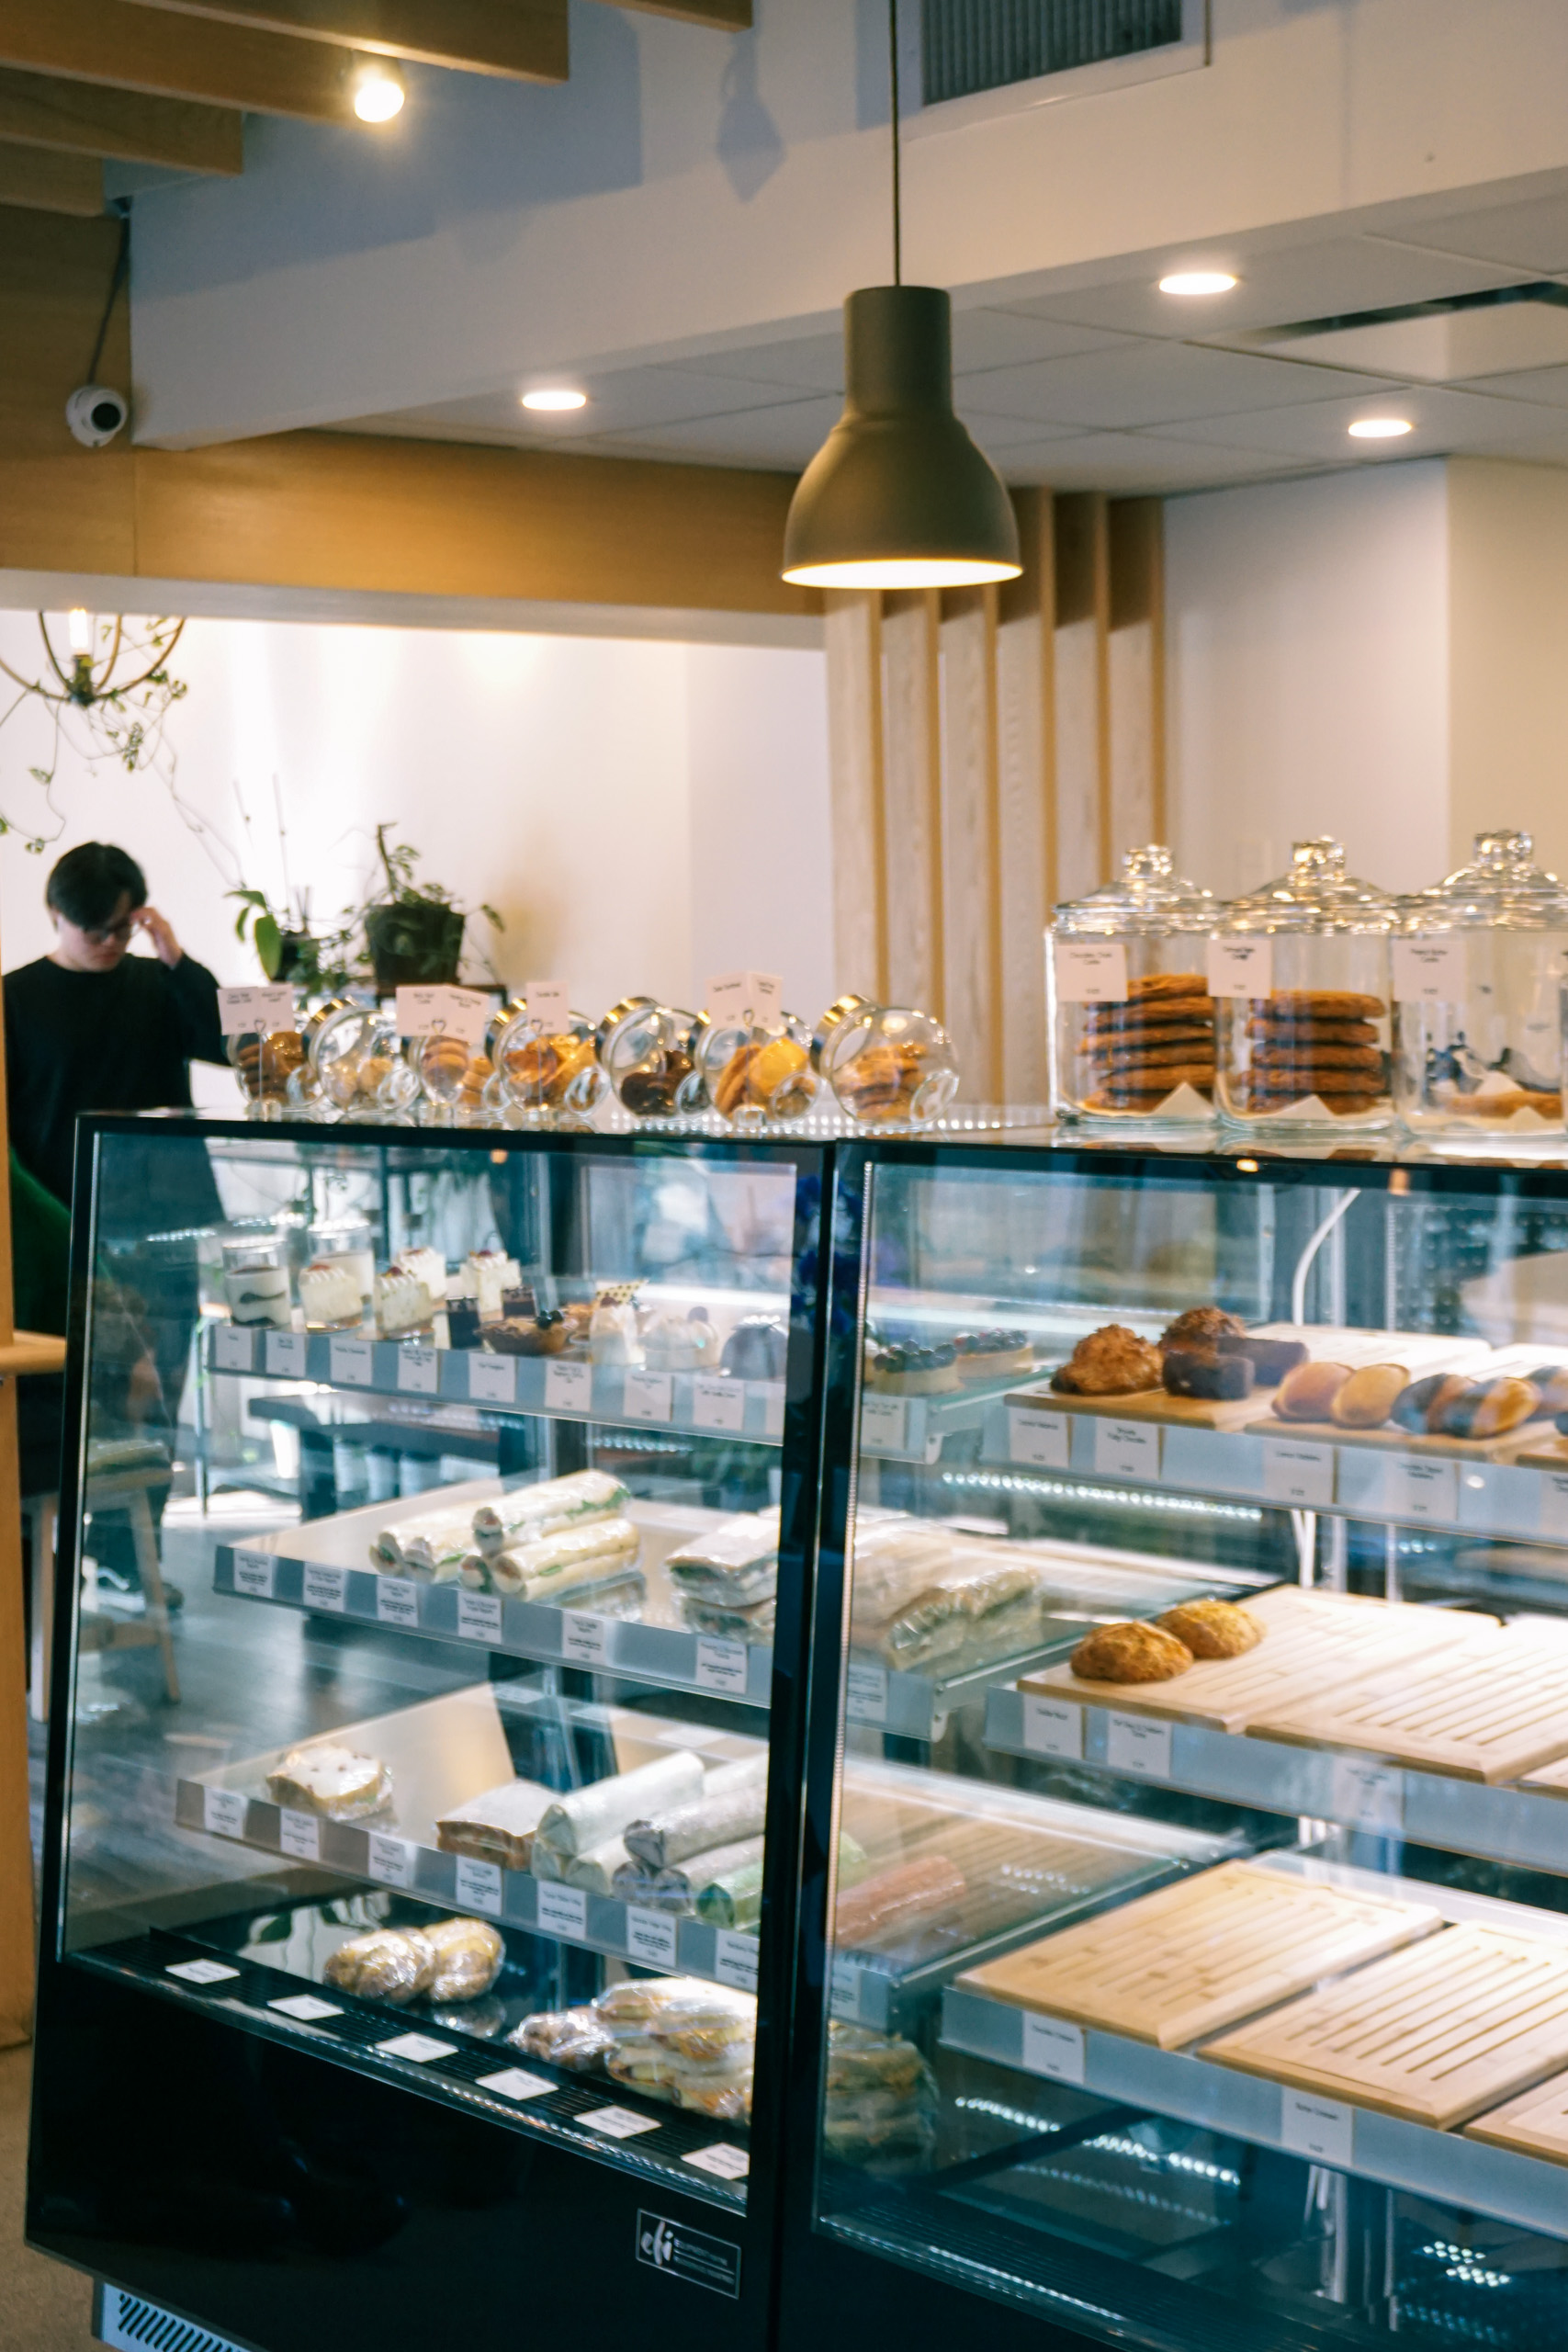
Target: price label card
[(865, 1693), (616, 2122), (719, 1404), (723, 2161), (244, 1011), (1138, 1744), (1430, 970), (721, 1667), (1243, 967), (772, 1394), (256, 1575), (327, 1589), (735, 1959), (201, 1971), (884, 1424), (351, 1363), (1090, 972), (550, 1003), (649, 1396), (1319, 2128), (512, 2083), (1554, 1503), (308, 2007), (287, 1356), (731, 996), (650, 1938), (1298, 1474), (419, 2048), (419, 1369), (563, 1910), (463, 1013), (1038, 1441), (846, 1987), (389, 1861), (300, 1835), (223, 1811), (1417, 1488), (478, 1616), (1368, 1795), (1127, 1449), (397, 1601), (1054, 2048), (568, 1389), (478, 1885), (493, 1380), (1052, 1727), (584, 1640), (233, 1348)]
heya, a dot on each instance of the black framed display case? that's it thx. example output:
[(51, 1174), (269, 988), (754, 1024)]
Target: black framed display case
[(463, 1487)]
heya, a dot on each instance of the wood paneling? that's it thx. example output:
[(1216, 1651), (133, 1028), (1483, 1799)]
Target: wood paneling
[(1135, 673), (1083, 693), (15, 1840), (523, 39), (853, 631), (38, 111), (145, 49), (41, 181), (728, 15), (1026, 796), (971, 893), (61, 507), (912, 735)]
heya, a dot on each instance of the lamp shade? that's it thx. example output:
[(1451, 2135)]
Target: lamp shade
[(898, 496)]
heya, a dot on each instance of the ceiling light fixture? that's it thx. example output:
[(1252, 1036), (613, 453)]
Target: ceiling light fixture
[(377, 90), (1379, 428), (551, 399), (1197, 281), (898, 496)]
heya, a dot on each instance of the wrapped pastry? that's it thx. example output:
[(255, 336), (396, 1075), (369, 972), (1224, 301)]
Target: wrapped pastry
[(468, 1953), (339, 1783), (974, 1594), (723, 1886), (888, 1900), (596, 1870), (860, 2060), (574, 2038), (525, 1513), (732, 1805), (639, 1999), (484, 2018), (677, 2007), (561, 1563), (395, 1964), (860, 2125), (736, 1562), (431, 1546), (894, 1559), (497, 1827), (612, 1335), (588, 1817), (752, 1622)]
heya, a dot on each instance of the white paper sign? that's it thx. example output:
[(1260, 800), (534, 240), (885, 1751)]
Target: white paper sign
[(463, 1013), (735, 1959), (563, 1910), (419, 1369), (397, 1601), (201, 1971), (884, 1424), (512, 2083), (726, 2163), (389, 1861), (1297, 1472), (1053, 2048), (549, 1004), (1241, 968), (327, 1589), (1090, 972), (478, 1616), (1127, 1449), (719, 1404), (1038, 1441), (478, 1885), (731, 996), (1416, 1487), (1138, 1744), (650, 1938), (244, 1011), (1052, 1727), (351, 1363), (1430, 970), (773, 1395), (223, 1811), (419, 2048), (254, 1575), (233, 1349), (847, 1981), (1319, 2128), (286, 1354), (1368, 1795), (616, 2122), (1553, 1503), (721, 1665), (865, 1693), (493, 1380), (308, 2007), (648, 1396), (584, 1640), (568, 1389), (300, 1835)]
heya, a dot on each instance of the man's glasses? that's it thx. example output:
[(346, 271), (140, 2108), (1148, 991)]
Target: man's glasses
[(105, 934)]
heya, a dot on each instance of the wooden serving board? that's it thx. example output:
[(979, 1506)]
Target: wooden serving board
[(1505, 1448), (1536, 2123), (1315, 1642), (1435, 2035), (1149, 1405), (1488, 1708), (1548, 1779), (1173, 1966)]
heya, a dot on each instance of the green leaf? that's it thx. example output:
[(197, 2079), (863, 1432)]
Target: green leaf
[(267, 941)]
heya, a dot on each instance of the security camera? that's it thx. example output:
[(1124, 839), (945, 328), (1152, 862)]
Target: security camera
[(96, 415)]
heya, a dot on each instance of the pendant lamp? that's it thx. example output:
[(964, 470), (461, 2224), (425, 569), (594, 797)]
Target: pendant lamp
[(898, 496)]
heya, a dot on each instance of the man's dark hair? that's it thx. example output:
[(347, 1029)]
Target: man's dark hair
[(89, 882)]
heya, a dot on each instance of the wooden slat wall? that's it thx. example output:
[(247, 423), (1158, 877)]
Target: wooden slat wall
[(1013, 741)]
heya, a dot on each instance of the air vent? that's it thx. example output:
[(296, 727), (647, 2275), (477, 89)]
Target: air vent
[(970, 45), (132, 2326)]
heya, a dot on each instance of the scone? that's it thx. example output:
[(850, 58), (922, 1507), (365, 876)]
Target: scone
[(1213, 1628), (1200, 1327), (1111, 1361), (1130, 1653)]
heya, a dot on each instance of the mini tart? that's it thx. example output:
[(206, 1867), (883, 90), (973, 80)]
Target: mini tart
[(990, 1355), (914, 1372)]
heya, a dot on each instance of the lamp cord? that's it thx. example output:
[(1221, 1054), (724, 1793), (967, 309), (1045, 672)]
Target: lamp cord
[(893, 61), (121, 262)]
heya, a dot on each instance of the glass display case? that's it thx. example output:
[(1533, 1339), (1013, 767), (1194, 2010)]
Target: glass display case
[(1184, 1953), (419, 1903)]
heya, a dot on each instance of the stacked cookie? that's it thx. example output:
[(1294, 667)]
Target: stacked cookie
[(1136, 1053), (1302, 1042)]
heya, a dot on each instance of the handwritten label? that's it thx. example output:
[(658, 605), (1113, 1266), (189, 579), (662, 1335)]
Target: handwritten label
[(419, 1371), (1320, 2129), (738, 996), (846, 1987), (1417, 1488), (550, 1005), (389, 1861), (648, 1396), (1127, 1449), (286, 1354), (1241, 968), (650, 1938), (249, 1012), (616, 2122), (327, 1589), (1298, 1474), (719, 1404), (563, 1910), (725, 2162), (568, 1389), (493, 1380), (463, 1013), (1367, 1796), (351, 1363), (721, 1667), (300, 1835), (254, 1575), (223, 1811), (1090, 972), (584, 1640), (233, 1348), (397, 1601), (478, 1885), (735, 1959), (1038, 1441), (308, 2007), (478, 1616), (511, 2081), (884, 1423), (419, 2049), (1430, 970), (1052, 1727), (865, 1693), (1138, 1744), (1054, 2048), (201, 1971)]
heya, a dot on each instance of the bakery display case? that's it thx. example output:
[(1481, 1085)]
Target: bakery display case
[(1194, 1968), (424, 1941)]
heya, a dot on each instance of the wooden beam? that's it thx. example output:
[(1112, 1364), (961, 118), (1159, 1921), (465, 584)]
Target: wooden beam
[(1026, 796), (38, 111), (723, 15), (1135, 654), (61, 507), (1083, 693), (38, 181), (132, 48), (853, 635), (971, 923), (523, 39), (912, 797)]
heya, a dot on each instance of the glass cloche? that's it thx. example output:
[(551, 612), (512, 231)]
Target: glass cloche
[(889, 1066), (646, 1050), (1132, 1018), (755, 1071), (545, 1071)]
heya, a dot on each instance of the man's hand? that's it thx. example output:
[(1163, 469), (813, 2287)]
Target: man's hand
[(165, 945)]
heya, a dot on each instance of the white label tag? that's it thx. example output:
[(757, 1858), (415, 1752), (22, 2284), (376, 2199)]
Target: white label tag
[(308, 2007), (650, 1938), (351, 1363), (723, 2161), (1430, 970), (648, 1396), (1243, 967), (249, 1011), (397, 1601), (772, 1394), (584, 1640), (721, 1665), (1052, 1727), (846, 1987), (1040, 1441), (1368, 1795), (389, 1861), (420, 2048), (300, 1835), (731, 996), (719, 1404), (478, 1616), (1138, 1744), (1553, 1503), (444, 1012), (512, 2083), (419, 1369), (1319, 2128), (223, 1811), (563, 1910), (478, 1885), (326, 1589), (1091, 974), (568, 1389), (865, 1693), (254, 1575), (1127, 1449), (735, 1959), (550, 1005), (233, 1349), (493, 1380), (1418, 1488), (1054, 2048), (883, 1421), (201, 1971), (1297, 1472), (287, 1357), (616, 2122)]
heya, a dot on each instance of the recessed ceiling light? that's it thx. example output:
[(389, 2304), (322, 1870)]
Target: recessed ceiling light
[(1379, 428), (557, 397), (378, 91), (1197, 281)]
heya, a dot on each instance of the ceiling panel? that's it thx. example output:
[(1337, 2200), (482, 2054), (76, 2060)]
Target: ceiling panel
[(630, 400), (1133, 463), (1541, 387), (1151, 383), (981, 339), (786, 435), (1445, 419), (1532, 237)]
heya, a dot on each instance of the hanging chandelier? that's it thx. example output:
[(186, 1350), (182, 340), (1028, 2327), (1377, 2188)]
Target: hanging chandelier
[(95, 647)]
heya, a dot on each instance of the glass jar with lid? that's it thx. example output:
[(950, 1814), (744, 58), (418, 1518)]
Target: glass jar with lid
[(889, 1066), (353, 1067), (255, 1280), (1299, 973), (449, 1079), (1132, 1018), (266, 1061), (545, 1069), (646, 1051), (755, 1071), (1478, 967)]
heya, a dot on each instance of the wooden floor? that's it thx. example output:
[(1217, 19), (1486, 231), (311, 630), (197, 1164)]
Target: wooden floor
[(43, 2306)]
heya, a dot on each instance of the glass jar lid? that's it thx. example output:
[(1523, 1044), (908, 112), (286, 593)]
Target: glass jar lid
[(1502, 887), (1317, 894), (1149, 896)]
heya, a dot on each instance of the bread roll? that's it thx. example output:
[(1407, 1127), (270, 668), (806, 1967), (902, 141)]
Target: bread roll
[(1130, 1653), (1489, 1408), (1213, 1628), (1368, 1395), (1308, 1392)]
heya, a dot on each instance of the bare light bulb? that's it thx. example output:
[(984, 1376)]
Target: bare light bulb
[(79, 626), (378, 91), (558, 398)]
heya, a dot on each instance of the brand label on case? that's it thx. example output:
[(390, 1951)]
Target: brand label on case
[(493, 1380), (1038, 1441), (478, 1885), (569, 1388), (726, 2163), (865, 1693), (308, 2007), (650, 1938), (1090, 973), (254, 1575), (721, 1667), (1368, 1795), (549, 1004), (233, 1349), (478, 1616), (682, 2252), (1241, 968), (247, 1011), (389, 1861), (463, 1013), (1052, 1727), (563, 1910), (884, 1424), (419, 1369), (1138, 1744), (223, 1811), (1319, 2128), (397, 1601), (420, 2048), (326, 1589), (1430, 970), (584, 1640), (719, 1404), (735, 1959), (648, 1396), (512, 2083), (1299, 1474), (1127, 1449), (351, 1363), (1054, 2048), (288, 1356), (298, 1835)]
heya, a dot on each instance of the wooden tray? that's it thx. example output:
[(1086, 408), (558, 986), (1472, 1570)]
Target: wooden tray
[(1507, 1447), (1315, 1642), (1173, 1966), (1149, 1405), (1536, 2123), (1548, 1779), (1488, 1708), (1435, 2035)]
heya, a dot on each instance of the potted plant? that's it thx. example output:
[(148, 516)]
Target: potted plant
[(414, 931), (288, 949)]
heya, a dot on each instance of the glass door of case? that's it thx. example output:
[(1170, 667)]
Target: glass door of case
[(442, 1533), (1185, 1905)]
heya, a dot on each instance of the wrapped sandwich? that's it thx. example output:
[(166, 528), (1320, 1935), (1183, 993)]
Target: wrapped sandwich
[(497, 1827), (567, 1562), (526, 1513), (586, 1818), (732, 1805), (339, 1783)]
